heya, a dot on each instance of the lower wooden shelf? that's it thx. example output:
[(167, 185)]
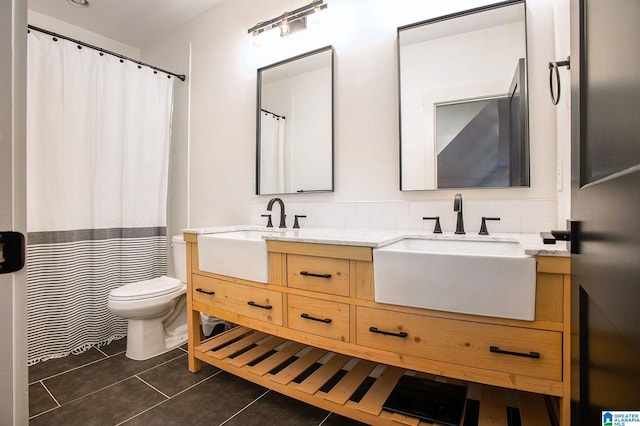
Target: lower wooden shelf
[(354, 387)]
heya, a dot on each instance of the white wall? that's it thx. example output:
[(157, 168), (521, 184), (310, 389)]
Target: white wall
[(64, 28), (14, 398), (561, 11), (222, 124)]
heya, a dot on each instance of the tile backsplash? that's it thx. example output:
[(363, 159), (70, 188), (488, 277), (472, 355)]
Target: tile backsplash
[(520, 216)]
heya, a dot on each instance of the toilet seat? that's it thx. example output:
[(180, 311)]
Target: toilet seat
[(146, 289)]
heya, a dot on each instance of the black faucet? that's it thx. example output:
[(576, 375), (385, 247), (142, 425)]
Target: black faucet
[(282, 214), (296, 224), (437, 229), (457, 207), (483, 225)]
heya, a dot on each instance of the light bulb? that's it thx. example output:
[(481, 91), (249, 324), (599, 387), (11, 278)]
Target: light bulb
[(317, 14), (284, 27), (256, 38)]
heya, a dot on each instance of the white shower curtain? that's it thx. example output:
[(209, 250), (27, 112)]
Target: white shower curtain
[(274, 178), (97, 159)]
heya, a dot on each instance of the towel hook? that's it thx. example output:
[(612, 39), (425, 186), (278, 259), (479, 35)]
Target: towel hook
[(553, 69)]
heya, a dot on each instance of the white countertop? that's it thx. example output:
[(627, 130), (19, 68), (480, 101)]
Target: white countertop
[(532, 243)]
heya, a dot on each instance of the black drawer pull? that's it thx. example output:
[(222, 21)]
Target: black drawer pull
[(497, 350), (252, 303), (199, 290), (307, 316), (310, 274), (388, 333)]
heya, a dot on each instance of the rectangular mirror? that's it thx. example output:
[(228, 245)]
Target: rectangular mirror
[(295, 125), (464, 120)]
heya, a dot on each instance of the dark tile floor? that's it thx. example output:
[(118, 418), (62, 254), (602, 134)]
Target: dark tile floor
[(103, 387)]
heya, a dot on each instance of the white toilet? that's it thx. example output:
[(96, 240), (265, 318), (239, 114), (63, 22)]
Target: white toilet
[(155, 309)]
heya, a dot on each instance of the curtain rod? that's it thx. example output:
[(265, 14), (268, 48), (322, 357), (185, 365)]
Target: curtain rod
[(275, 115), (101, 50)]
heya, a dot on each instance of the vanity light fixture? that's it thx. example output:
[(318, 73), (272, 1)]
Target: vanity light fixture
[(288, 22)]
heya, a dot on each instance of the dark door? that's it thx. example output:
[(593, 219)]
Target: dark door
[(605, 74)]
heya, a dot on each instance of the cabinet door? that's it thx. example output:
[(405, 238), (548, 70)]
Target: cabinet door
[(523, 351)]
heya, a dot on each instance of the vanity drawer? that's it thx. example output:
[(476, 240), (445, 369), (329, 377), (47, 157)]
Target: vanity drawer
[(514, 350), (257, 303), (321, 274), (320, 317)]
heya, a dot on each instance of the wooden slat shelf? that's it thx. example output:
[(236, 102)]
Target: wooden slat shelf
[(354, 387)]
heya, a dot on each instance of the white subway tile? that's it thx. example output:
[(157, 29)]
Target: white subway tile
[(504, 225), (382, 222), (448, 223), (546, 208), (395, 208), (297, 208), (345, 209), (472, 224), (336, 222), (357, 222), (445, 208), (515, 215), (423, 208), (483, 208), (313, 221), (538, 224), (321, 209), (369, 209), (519, 207), (410, 223)]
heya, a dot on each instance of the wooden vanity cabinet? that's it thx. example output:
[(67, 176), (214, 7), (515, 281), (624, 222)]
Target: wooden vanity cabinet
[(319, 317), (499, 348), (318, 274), (238, 299), (320, 305)]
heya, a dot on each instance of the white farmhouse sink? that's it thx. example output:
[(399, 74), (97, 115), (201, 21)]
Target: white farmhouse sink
[(491, 278), (239, 254)]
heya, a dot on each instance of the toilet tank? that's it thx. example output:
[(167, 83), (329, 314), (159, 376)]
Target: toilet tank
[(179, 257)]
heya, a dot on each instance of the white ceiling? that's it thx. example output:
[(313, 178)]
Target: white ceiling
[(133, 22)]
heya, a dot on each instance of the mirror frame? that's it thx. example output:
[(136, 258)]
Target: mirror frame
[(328, 48), (524, 93)]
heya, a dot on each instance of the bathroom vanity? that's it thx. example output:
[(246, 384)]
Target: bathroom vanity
[(319, 304)]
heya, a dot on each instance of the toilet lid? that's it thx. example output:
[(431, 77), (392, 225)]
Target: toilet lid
[(149, 288)]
